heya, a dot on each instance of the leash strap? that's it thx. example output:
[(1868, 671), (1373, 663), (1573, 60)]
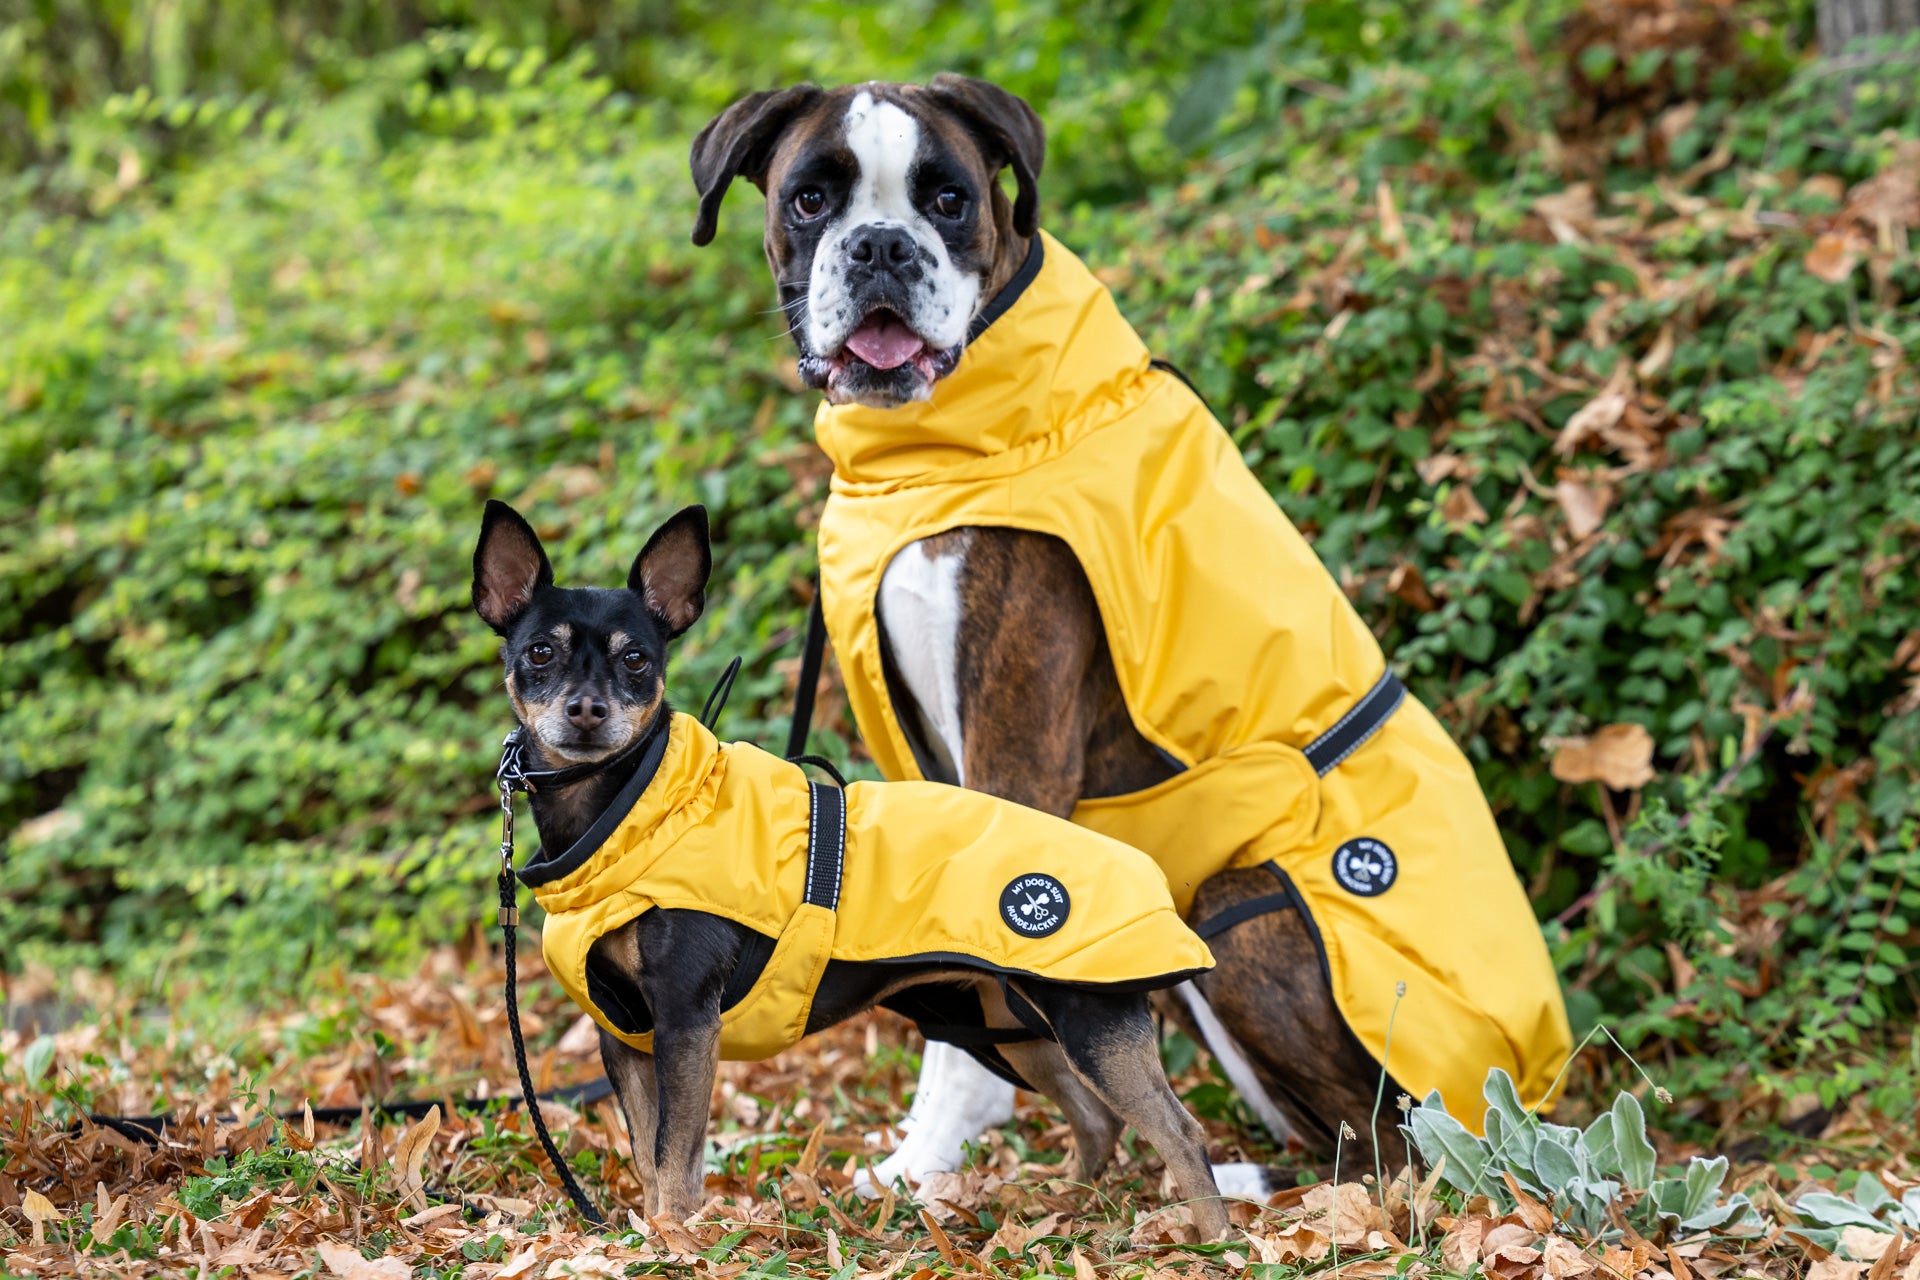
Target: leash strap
[(810, 660), (150, 1129), (826, 844), (509, 927), (1361, 722)]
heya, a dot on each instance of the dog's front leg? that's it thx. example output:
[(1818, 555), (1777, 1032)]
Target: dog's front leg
[(631, 1072), (686, 1057)]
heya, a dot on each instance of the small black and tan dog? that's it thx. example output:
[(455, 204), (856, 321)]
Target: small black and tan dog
[(585, 670)]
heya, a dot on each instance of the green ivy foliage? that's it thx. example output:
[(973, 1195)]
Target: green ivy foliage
[(260, 376)]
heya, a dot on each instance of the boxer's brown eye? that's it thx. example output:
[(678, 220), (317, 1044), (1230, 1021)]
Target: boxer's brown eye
[(540, 654), (951, 202), (809, 201)]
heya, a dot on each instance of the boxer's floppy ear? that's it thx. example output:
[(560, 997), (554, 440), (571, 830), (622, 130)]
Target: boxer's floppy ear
[(738, 143), (1010, 127), (671, 571), (509, 565)]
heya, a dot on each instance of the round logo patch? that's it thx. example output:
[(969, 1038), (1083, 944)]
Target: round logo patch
[(1365, 867), (1034, 905)]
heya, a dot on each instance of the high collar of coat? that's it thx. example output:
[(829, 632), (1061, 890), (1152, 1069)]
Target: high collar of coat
[(1054, 359), (671, 788)]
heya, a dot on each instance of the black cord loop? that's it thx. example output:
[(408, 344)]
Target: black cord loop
[(718, 695)]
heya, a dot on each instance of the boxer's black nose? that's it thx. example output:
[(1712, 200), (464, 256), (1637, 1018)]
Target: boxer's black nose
[(880, 246)]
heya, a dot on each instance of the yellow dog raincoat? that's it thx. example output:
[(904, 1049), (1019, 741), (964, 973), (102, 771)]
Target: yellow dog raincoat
[(880, 872), (1239, 658)]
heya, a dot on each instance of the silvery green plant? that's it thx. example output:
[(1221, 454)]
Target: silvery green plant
[(1872, 1207), (1580, 1172)]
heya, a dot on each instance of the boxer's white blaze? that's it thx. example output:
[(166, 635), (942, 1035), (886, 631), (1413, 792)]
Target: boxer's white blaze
[(885, 142)]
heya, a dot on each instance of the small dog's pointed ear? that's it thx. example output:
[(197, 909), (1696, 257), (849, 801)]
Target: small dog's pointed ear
[(1010, 130), (670, 573), (739, 143), (509, 565)]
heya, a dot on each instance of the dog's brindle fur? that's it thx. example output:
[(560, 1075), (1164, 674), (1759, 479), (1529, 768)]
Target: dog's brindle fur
[(1042, 717), (585, 672)]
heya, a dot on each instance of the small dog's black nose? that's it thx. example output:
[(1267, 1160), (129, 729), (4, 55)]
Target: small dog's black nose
[(881, 246), (586, 713)]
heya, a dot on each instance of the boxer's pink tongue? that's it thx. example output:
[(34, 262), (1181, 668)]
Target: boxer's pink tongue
[(884, 342)]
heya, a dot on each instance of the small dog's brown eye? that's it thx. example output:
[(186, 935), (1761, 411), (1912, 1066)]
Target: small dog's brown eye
[(634, 661), (808, 202), (540, 654), (950, 203)]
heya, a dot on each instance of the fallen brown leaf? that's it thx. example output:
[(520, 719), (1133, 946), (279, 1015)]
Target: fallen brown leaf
[(1619, 756), (410, 1153), (1562, 1259), (1014, 1236), (1864, 1244), (1832, 258), (1460, 508), (1597, 416), (344, 1260), (1585, 504), (1569, 214), (40, 1212), (1460, 1247), (1510, 1242), (1835, 1267)]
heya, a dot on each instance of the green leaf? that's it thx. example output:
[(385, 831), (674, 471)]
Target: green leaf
[(37, 1059), (1554, 1163), (1436, 1134), (1633, 1154), (1872, 1195), (1835, 1211)]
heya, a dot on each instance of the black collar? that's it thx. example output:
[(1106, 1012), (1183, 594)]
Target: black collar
[(543, 868), (1003, 301), (513, 756)]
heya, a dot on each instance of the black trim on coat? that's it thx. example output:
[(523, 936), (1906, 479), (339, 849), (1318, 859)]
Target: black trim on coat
[(541, 869)]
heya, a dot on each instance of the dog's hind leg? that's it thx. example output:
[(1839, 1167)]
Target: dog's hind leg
[(631, 1072), (1095, 1127), (1108, 1041), (1268, 1013)]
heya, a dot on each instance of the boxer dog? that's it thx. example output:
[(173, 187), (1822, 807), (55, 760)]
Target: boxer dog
[(889, 235)]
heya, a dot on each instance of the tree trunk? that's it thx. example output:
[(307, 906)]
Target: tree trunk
[(1842, 21)]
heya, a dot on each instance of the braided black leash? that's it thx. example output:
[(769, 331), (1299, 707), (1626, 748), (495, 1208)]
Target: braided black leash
[(510, 777)]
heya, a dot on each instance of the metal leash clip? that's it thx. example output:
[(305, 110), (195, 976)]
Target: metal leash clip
[(509, 777)]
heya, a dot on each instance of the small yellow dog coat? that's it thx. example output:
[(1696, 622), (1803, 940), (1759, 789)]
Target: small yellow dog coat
[(1239, 658), (882, 872)]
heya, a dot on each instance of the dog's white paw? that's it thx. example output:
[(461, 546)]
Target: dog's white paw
[(957, 1100), (1242, 1181)]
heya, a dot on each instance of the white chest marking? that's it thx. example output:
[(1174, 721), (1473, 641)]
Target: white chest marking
[(920, 605)]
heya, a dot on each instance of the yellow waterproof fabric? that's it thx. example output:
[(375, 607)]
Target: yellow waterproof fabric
[(723, 828), (1234, 648)]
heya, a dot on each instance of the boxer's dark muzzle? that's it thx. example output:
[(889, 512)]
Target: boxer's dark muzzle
[(885, 361)]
